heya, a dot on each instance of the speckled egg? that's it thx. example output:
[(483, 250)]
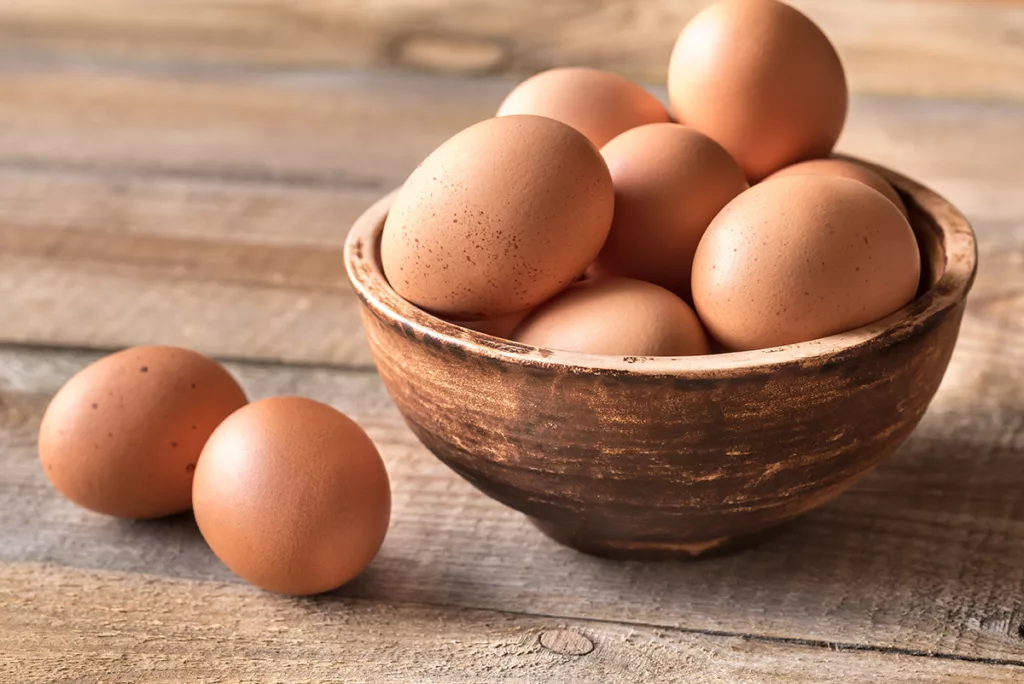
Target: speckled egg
[(802, 257), (498, 219), (292, 496), (620, 316), (124, 435), (598, 104)]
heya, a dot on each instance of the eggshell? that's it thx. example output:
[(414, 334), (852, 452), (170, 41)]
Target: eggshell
[(123, 436), (802, 257), (619, 316), (761, 79), (498, 219), (292, 496), (845, 169), (598, 104), (496, 327), (670, 181)]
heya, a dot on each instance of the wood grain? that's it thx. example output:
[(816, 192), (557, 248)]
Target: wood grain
[(923, 556), (208, 210), (59, 624), (941, 48)]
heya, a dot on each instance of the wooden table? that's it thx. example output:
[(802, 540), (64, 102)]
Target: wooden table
[(185, 172)]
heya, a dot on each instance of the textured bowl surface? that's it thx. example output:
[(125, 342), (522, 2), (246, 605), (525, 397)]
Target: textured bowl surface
[(655, 456)]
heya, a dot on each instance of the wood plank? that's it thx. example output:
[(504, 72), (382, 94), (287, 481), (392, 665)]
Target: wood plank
[(926, 555), (961, 48), (58, 624), (210, 211)]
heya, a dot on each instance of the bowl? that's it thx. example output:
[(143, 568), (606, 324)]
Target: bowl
[(669, 456)]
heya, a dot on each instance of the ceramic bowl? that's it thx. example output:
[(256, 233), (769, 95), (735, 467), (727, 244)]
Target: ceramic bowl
[(669, 456)]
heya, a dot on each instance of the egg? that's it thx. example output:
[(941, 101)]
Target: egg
[(498, 219), (670, 181), (598, 104), (123, 435), (619, 316), (845, 169), (761, 79), (496, 327), (292, 496), (802, 257)]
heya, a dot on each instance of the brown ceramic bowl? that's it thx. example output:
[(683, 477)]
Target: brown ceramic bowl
[(641, 456)]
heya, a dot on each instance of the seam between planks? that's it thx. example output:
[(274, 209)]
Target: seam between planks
[(6, 345)]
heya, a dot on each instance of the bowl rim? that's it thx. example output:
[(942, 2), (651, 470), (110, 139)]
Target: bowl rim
[(959, 266)]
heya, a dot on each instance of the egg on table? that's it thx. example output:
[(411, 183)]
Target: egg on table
[(292, 496)]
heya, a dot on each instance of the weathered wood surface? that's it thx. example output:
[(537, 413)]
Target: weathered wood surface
[(94, 624), (925, 556), (210, 210), (185, 172), (958, 48)]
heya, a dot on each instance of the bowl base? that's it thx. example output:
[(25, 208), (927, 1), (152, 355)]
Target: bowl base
[(643, 549)]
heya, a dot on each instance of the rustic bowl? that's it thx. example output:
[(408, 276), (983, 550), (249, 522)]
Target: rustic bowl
[(641, 456)]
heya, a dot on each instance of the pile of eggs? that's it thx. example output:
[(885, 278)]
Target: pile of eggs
[(585, 217), (289, 493)]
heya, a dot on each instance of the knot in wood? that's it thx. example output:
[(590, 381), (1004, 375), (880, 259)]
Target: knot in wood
[(566, 642)]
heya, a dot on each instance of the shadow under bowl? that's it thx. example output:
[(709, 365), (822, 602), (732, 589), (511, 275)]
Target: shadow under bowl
[(644, 457)]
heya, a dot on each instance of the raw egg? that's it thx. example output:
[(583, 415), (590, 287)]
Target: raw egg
[(845, 169), (124, 435), (498, 219), (670, 181), (292, 496), (761, 79), (619, 316), (802, 257), (598, 104)]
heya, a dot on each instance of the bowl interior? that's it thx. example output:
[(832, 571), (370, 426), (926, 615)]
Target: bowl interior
[(948, 265)]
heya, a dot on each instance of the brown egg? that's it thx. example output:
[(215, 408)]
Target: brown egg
[(292, 496), (498, 219), (670, 182), (598, 104), (803, 257), (619, 316), (496, 327), (845, 169), (761, 79), (123, 436)]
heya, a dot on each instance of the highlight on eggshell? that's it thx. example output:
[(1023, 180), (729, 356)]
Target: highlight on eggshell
[(845, 169)]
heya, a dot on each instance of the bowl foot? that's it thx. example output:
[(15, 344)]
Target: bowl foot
[(643, 549)]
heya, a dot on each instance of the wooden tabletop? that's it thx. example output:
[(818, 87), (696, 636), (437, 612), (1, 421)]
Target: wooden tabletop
[(184, 172)]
